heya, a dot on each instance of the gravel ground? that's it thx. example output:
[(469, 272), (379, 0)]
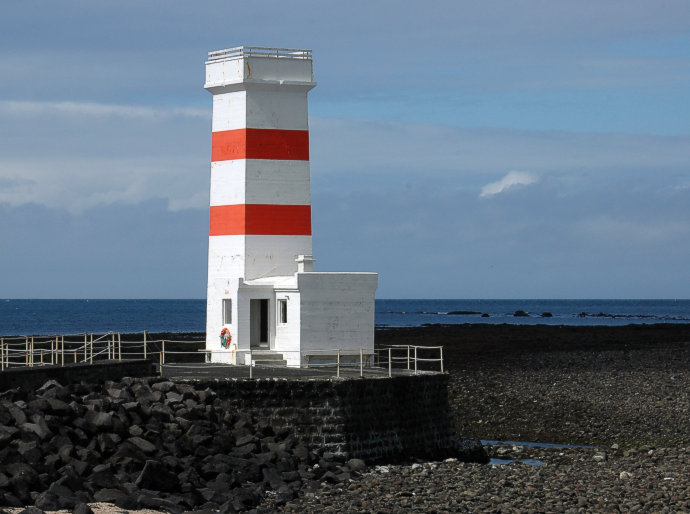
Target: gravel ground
[(570, 480), (630, 398)]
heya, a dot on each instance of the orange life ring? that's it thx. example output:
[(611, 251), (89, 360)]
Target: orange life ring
[(225, 337)]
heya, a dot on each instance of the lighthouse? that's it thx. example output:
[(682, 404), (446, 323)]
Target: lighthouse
[(263, 295)]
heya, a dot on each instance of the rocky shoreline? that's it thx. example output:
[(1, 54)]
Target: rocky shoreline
[(150, 443), (624, 390)]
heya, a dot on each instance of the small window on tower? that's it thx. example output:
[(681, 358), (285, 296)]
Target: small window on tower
[(282, 311), (227, 311)]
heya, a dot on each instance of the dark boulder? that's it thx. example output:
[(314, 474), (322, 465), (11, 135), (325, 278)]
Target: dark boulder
[(157, 477)]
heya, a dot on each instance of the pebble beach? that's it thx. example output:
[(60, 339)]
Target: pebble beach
[(622, 391)]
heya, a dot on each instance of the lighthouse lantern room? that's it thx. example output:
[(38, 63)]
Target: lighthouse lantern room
[(263, 294)]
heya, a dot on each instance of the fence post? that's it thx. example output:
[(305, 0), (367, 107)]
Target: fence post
[(144, 344), (337, 369), (361, 364), (63, 351), (390, 364), (26, 351), (112, 346), (2, 354), (163, 351), (85, 344), (251, 364), (441, 350), (91, 350), (415, 360), (119, 348), (75, 356), (31, 359), (408, 356), (160, 362), (54, 359)]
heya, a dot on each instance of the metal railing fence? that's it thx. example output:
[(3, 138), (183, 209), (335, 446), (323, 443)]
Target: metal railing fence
[(33, 351), (411, 357), (259, 51), (59, 350)]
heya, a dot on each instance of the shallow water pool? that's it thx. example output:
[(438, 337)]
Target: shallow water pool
[(529, 462)]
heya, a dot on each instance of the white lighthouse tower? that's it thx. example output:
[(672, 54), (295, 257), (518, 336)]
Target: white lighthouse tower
[(261, 286)]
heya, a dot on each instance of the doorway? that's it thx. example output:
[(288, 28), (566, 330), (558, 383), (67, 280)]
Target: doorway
[(258, 323)]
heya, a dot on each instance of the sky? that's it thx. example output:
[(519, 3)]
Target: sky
[(461, 149)]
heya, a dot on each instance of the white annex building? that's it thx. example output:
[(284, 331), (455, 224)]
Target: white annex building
[(262, 290)]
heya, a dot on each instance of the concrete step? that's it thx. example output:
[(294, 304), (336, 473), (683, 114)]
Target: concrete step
[(272, 362), (268, 358)]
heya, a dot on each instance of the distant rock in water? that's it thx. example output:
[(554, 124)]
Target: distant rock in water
[(463, 313), (600, 315), (546, 315), (485, 315), (520, 313)]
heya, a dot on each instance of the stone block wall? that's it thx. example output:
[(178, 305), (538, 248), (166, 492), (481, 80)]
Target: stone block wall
[(400, 416), (32, 378), (372, 419)]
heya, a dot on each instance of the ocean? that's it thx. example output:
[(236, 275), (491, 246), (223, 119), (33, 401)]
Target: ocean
[(36, 317)]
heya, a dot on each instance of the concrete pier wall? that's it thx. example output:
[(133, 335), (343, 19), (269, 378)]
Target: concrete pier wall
[(375, 418)]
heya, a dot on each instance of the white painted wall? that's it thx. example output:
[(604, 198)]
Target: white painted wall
[(217, 290), (288, 335), (266, 69), (337, 310), (226, 257), (260, 181), (285, 109), (229, 111), (274, 256), (256, 106)]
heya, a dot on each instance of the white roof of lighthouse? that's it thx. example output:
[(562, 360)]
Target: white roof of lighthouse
[(258, 65)]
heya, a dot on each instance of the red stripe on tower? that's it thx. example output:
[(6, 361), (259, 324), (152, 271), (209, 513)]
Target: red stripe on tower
[(289, 145), (260, 219)]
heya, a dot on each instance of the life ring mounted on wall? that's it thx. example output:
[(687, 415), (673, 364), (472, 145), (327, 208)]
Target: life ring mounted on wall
[(225, 338)]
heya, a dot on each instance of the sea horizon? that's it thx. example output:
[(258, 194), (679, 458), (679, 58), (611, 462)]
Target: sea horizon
[(78, 315)]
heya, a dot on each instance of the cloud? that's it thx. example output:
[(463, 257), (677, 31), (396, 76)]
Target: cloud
[(609, 230), (97, 110), (78, 155), (426, 149), (74, 155), (512, 179)]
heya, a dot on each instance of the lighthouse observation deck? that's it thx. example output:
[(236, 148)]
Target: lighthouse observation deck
[(239, 52), (228, 69)]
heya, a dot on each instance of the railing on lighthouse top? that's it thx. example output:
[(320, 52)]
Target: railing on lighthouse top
[(259, 51)]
